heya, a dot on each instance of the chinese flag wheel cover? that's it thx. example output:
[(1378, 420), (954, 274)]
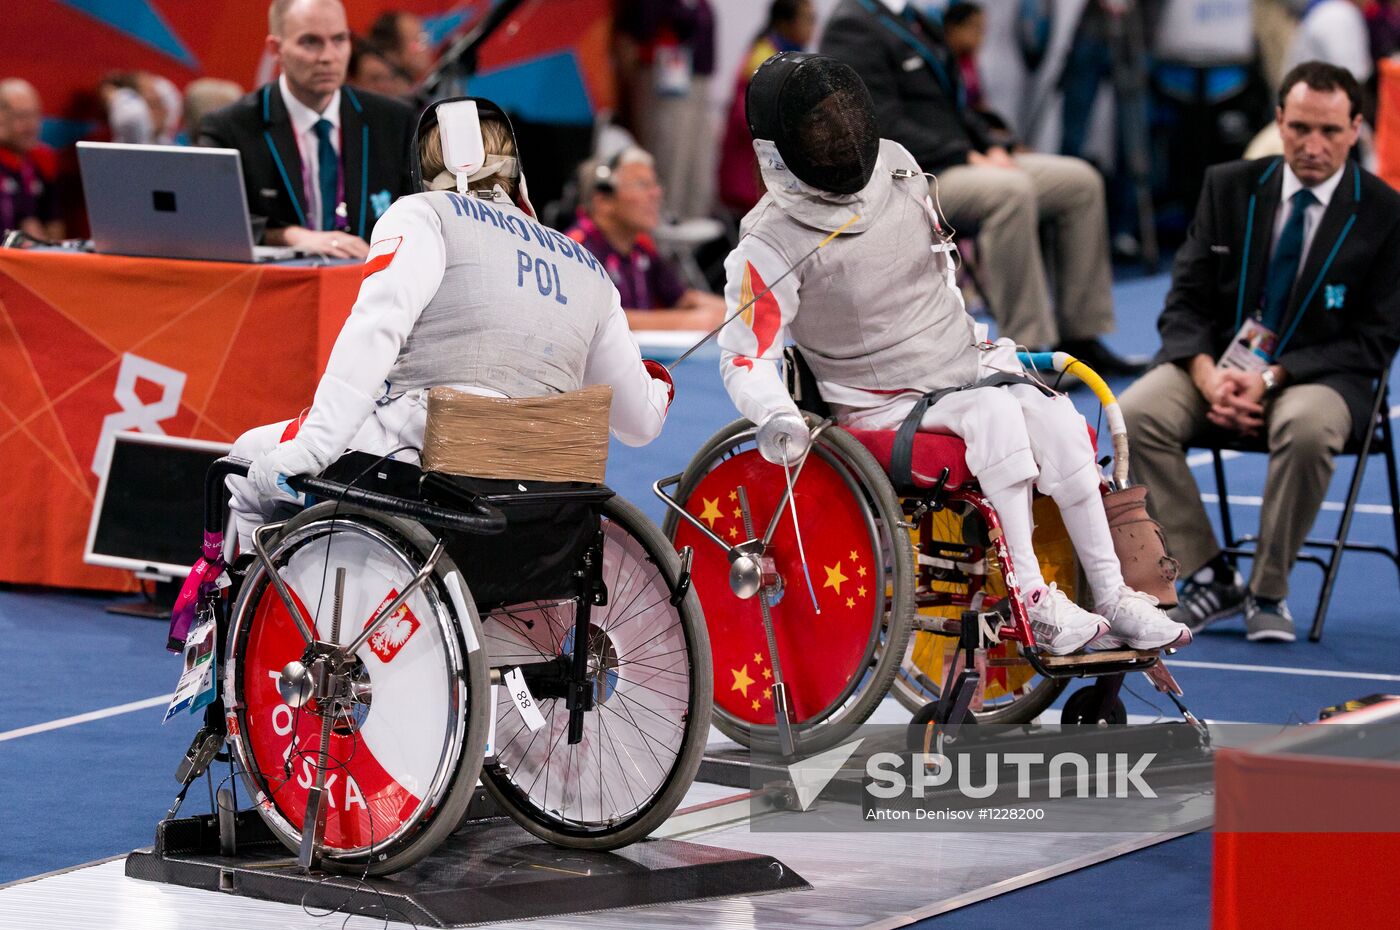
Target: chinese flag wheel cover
[(396, 753), (821, 654), (1007, 673)]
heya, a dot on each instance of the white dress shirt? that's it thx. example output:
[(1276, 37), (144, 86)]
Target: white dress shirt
[(304, 121), (1323, 192)]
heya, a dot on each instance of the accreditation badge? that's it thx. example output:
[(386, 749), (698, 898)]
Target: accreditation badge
[(1252, 349)]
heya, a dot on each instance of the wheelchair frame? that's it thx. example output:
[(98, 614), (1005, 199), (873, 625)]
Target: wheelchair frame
[(977, 629), (321, 678)]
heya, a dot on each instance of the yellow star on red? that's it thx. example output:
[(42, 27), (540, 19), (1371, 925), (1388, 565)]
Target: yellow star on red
[(767, 674), (834, 578), (755, 704), (711, 512), (860, 570), (854, 557), (861, 591), (734, 495), (768, 693), (758, 658), (738, 514), (850, 602), (741, 680), (733, 532)]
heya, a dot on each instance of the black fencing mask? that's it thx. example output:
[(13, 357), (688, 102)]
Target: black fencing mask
[(818, 113)]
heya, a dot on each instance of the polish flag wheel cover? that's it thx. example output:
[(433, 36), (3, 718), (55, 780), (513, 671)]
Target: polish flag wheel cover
[(390, 757)]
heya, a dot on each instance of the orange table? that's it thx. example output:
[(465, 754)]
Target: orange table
[(91, 344)]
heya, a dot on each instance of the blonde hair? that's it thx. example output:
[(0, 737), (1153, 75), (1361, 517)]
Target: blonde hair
[(497, 140)]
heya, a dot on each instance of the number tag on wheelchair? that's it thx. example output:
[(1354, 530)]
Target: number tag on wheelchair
[(524, 700), (197, 685)]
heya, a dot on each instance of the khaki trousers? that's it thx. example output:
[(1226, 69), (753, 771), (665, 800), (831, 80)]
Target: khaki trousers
[(678, 132), (1307, 424), (1007, 207)]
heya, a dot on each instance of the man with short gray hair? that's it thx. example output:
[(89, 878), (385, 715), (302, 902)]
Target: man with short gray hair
[(28, 167), (619, 209), (321, 161)]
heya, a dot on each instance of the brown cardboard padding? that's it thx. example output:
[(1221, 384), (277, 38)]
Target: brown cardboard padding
[(559, 437)]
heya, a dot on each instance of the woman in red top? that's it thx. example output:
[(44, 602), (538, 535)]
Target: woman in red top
[(789, 29)]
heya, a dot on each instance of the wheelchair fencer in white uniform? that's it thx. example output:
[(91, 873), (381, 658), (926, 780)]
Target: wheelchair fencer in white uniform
[(361, 653), (847, 257)]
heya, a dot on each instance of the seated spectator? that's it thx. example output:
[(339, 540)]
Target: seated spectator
[(129, 117), (202, 97), (165, 103), (401, 40), (620, 207), (789, 29), (920, 102), (1314, 293), (28, 167), (964, 29), (321, 161), (370, 70)]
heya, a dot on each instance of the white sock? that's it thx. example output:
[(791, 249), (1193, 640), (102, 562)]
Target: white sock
[(1013, 506), (1093, 543)]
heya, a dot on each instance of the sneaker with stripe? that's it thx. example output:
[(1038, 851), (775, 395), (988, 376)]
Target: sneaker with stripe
[(1206, 599)]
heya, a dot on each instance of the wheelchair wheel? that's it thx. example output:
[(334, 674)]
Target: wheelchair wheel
[(838, 662), (403, 763), (643, 741), (1086, 706), (1013, 692)]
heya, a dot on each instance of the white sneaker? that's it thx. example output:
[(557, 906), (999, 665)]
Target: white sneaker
[(1060, 625), (1135, 621)]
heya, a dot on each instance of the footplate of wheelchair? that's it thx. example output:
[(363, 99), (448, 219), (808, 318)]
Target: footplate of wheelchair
[(1108, 662)]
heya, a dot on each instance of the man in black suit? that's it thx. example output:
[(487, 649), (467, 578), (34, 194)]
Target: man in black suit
[(921, 103), (1290, 276), (321, 161)]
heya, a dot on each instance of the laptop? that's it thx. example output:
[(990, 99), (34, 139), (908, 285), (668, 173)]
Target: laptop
[(169, 201)]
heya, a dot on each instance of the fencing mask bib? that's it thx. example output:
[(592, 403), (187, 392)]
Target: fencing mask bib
[(819, 115)]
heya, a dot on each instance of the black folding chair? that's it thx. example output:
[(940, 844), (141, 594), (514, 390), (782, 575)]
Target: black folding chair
[(1377, 441)]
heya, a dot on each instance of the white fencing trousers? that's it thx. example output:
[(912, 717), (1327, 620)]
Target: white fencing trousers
[(1016, 435), (391, 426)]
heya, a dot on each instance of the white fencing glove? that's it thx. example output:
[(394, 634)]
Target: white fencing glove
[(270, 470), (784, 436)]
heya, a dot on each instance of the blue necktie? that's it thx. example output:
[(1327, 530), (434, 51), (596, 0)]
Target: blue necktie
[(327, 172), (1283, 267)]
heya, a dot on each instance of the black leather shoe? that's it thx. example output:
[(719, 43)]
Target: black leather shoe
[(1102, 359)]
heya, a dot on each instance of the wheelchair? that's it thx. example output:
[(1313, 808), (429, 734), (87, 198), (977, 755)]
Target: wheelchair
[(871, 589), (368, 637)]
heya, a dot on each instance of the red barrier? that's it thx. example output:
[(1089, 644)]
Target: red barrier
[(90, 344)]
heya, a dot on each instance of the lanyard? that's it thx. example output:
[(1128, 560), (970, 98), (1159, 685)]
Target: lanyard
[(340, 181), (342, 221), (1326, 265)]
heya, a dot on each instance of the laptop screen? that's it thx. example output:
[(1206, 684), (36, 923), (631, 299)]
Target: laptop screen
[(166, 201)]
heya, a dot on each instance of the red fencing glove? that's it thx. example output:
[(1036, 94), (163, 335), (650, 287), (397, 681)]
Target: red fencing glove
[(658, 372)]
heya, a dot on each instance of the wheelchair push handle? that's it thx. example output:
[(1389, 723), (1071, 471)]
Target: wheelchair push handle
[(485, 519), (1117, 429)]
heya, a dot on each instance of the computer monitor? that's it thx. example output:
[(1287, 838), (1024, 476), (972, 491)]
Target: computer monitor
[(168, 201), (149, 511)]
